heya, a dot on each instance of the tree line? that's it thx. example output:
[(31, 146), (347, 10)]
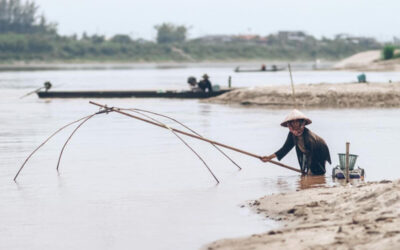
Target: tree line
[(18, 17), (26, 35)]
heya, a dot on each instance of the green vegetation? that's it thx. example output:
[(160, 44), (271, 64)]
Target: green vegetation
[(16, 17), (389, 52), (169, 33), (25, 35), (122, 48)]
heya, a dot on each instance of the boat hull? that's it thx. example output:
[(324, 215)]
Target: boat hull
[(339, 173), (256, 70), (131, 94)]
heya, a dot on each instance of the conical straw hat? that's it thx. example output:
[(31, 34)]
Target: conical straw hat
[(295, 115)]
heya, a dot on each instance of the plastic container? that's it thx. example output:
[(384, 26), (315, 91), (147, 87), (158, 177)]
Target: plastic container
[(352, 161), (362, 78), (215, 87)]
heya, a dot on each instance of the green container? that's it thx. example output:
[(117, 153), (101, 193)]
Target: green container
[(216, 87), (362, 78), (352, 161)]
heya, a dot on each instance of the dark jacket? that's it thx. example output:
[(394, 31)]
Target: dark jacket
[(205, 84), (317, 151)]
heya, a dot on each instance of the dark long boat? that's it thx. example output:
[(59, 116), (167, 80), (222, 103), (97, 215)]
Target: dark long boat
[(238, 70), (130, 94)]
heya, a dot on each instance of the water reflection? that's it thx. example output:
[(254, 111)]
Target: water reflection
[(283, 185), (205, 109), (205, 112), (343, 182), (311, 181)]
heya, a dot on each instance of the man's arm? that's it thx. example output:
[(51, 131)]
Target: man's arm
[(289, 144)]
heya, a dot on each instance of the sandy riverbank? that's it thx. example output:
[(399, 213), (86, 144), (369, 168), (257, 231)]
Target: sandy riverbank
[(345, 95), (368, 61), (362, 216)]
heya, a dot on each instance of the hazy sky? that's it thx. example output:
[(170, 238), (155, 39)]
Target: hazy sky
[(377, 18)]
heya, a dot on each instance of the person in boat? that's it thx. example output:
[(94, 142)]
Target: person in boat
[(205, 84), (312, 151), (263, 67), (193, 84)]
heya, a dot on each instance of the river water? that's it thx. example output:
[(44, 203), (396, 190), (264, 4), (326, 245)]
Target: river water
[(124, 184)]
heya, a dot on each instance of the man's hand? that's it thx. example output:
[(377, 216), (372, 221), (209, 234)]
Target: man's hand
[(267, 158)]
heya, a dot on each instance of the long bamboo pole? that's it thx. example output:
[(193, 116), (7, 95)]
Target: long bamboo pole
[(43, 143), (182, 140), (191, 130), (69, 138), (347, 161), (191, 135), (292, 84)]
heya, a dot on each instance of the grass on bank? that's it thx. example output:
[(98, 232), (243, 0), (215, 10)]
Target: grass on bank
[(390, 51)]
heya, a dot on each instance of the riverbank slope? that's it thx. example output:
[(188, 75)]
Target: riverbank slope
[(345, 95), (363, 216), (368, 61)]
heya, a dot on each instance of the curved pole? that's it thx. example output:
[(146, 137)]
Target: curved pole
[(195, 136), (41, 145), (191, 130), (69, 138), (30, 93), (180, 138)]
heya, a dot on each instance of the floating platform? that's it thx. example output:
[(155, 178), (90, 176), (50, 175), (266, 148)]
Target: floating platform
[(132, 94), (354, 173), (339, 173)]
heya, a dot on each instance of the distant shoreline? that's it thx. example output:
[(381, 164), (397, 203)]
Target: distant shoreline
[(378, 66), (107, 65), (310, 96)]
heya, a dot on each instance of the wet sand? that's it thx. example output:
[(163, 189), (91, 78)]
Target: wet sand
[(344, 95), (357, 216)]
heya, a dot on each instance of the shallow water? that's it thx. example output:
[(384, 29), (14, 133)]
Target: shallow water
[(124, 184)]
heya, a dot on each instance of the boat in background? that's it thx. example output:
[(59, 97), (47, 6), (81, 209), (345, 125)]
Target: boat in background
[(195, 93), (263, 68), (131, 94)]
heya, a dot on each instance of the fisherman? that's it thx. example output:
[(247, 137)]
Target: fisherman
[(47, 86), (263, 67), (312, 151), (205, 84)]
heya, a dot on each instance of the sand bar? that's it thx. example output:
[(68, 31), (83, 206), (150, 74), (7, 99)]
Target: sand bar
[(358, 216), (324, 95)]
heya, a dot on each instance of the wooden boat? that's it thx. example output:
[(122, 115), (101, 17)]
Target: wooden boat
[(131, 93), (238, 70)]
